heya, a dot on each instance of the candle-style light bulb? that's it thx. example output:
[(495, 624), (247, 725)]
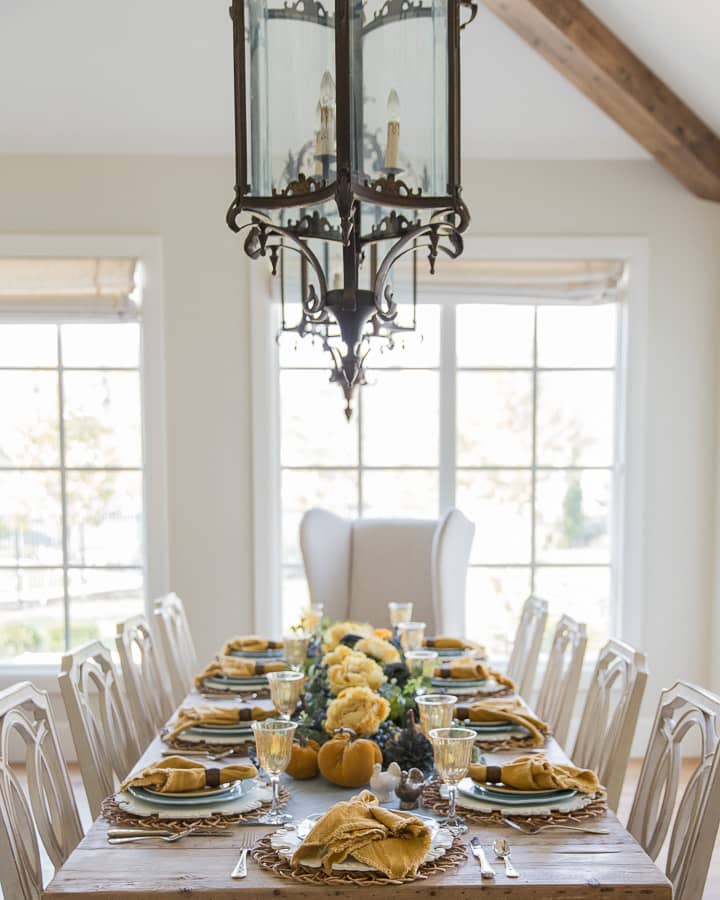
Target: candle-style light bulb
[(318, 169), (392, 148), (325, 144), (327, 89)]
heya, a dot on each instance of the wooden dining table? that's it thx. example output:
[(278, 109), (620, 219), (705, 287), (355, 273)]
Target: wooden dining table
[(552, 864)]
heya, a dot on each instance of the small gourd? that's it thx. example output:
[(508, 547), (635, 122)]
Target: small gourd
[(303, 759), (348, 761)]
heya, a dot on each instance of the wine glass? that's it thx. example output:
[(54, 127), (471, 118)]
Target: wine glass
[(436, 711), (273, 744), (452, 749), (411, 635), (285, 691), (421, 664), (399, 612), (296, 648)]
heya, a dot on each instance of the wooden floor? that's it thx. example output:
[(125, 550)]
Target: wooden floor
[(712, 888)]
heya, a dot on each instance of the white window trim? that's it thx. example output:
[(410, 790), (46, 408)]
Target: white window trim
[(148, 250), (631, 381)]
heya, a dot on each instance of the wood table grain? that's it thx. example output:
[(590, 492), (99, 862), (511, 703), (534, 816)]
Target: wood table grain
[(554, 864)]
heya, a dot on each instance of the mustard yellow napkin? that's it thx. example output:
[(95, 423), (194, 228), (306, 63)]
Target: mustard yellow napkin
[(190, 716), (394, 845), (505, 710), (238, 668), (536, 773), (174, 775), (466, 668), (251, 643), (443, 642)]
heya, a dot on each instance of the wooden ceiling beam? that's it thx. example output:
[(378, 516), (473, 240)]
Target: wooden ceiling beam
[(587, 53)]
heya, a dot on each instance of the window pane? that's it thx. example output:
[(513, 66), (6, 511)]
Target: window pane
[(494, 600), (572, 517), (494, 335), (102, 418), (499, 503), (334, 491), (400, 419), (104, 518), (29, 419), (419, 349), (313, 425), (494, 416), (398, 494), (30, 518), (583, 594), (295, 596), (103, 345), (32, 620), (28, 345), (582, 336), (575, 418), (99, 598)]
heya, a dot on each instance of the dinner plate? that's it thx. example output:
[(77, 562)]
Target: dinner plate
[(459, 682), (234, 790), (203, 792), (469, 788), (247, 681), (286, 842), (257, 654), (309, 822), (491, 726), (207, 730)]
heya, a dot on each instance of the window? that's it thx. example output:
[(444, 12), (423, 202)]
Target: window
[(507, 411), (71, 482)]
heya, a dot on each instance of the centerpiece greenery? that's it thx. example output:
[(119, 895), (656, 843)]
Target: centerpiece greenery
[(358, 680)]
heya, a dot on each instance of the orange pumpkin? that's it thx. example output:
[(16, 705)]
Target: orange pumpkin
[(348, 761), (303, 759)]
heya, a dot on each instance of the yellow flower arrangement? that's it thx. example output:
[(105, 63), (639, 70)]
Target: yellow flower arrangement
[(335, 633), (378, 649), (359, 709), (355, 670), (337, 655)]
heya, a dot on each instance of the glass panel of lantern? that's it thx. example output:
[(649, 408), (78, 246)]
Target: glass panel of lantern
[(289, 61), (400, 59)]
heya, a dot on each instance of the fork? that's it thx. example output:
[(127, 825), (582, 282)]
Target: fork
[(240, 870), (536, 829), (168, 838)]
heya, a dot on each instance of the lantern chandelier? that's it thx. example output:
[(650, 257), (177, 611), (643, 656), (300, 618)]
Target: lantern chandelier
[(324, 171)]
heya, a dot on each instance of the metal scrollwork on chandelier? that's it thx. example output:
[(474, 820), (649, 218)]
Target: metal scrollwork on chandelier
[(334, 199)]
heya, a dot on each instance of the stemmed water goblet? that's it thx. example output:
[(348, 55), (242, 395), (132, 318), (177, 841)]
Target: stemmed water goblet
[(273, 744), (452, 749), (286, 689)]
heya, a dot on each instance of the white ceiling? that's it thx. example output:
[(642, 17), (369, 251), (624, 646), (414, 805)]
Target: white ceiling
[(154, 76)]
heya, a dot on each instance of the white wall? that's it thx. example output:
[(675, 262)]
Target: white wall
[(208, 363)]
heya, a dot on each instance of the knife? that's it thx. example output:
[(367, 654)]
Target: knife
[(486, 870)]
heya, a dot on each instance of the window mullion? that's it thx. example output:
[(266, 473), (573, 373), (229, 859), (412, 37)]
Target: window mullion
[(448, 405), (63, 491)]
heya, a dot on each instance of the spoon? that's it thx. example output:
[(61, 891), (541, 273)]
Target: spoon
[(502, 849)]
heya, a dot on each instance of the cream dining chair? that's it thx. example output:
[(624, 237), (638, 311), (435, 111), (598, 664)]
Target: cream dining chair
[(687, 718), (561, 680), (176, 644), (610, 716), (105, 741), (355, 567), (144, 677), (46, 811), (525, 653)]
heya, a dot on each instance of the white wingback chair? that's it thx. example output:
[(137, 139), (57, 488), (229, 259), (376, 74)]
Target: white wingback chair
[(355, 567)]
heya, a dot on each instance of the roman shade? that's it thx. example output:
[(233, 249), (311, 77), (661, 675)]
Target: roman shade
[(544, 280), (69, 287)]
